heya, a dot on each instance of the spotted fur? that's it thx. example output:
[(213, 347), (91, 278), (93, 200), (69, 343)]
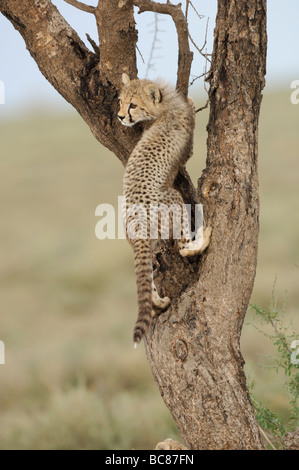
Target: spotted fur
[(165, 145)]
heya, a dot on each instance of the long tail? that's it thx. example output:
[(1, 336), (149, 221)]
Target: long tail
[(143, 270)]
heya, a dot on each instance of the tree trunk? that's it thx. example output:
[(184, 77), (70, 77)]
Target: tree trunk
[(194, 347)]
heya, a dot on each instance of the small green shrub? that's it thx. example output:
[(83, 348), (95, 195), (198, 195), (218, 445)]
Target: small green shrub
[(285, 341)]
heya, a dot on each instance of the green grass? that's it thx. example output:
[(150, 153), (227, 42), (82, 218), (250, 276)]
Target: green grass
[(68, 300)]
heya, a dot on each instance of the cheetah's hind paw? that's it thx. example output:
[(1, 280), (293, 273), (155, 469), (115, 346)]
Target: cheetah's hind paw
[(158, 302)]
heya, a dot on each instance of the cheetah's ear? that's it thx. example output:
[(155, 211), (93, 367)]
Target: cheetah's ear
[(125, 79), (154, 92)]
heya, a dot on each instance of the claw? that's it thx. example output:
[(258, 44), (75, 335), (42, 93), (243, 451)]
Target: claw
[(193, 248)]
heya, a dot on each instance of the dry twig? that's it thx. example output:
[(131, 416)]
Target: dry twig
[(203, 107), (199, 16), (139, 52), (204, 54), (185, 55), (266, 438)]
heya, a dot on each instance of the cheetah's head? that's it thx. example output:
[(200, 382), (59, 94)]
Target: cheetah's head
[(139, 100)]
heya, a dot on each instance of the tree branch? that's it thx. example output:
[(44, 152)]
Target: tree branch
[(117, 40), (72, 69), (185, 56), (81, 6), (53, 44), (205, 55)]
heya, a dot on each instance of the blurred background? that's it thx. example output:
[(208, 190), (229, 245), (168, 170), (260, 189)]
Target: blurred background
[(71, 378)]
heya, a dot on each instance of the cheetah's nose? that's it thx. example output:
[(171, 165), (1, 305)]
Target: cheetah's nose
[(120, 117)]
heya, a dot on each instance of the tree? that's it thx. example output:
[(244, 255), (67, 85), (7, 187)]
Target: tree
[(194, 347)]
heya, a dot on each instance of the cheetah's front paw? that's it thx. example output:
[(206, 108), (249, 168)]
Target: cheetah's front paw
[(196, 247)]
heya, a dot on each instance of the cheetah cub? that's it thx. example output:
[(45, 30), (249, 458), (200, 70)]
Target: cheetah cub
[(165, 145)]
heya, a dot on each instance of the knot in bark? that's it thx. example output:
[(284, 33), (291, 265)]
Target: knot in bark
[(181, 350)]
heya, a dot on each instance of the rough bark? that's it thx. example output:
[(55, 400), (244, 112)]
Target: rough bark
[(291, 441), (193, 348)]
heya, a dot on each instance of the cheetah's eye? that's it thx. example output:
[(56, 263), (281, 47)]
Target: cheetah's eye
[(133, 106)]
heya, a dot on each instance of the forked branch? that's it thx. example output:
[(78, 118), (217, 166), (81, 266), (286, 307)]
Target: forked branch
[(180, 21), (185, 55)]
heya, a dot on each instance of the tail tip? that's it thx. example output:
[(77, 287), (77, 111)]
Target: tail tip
[(138, 334)]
